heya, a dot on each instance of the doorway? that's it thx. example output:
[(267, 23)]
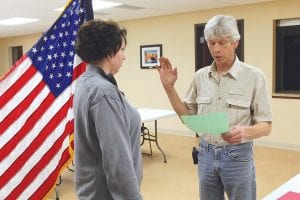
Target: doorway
[(202, 55)]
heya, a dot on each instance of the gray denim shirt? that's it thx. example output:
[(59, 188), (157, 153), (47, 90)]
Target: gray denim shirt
[(108, 163)]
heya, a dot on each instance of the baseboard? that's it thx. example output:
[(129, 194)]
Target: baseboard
[(174, 132), (280, 145), (260, 142)]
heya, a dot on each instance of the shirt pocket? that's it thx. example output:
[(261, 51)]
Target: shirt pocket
[(204, 104), (238, 110)]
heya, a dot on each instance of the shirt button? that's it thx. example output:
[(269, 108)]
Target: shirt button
[(219, 98)]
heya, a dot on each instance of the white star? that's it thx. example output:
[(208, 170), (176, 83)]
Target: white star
[(77, 11), (34, 50), (51, 76), (49, 57), (69, 74)]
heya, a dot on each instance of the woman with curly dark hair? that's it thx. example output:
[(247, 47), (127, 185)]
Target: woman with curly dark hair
[(108, 162)]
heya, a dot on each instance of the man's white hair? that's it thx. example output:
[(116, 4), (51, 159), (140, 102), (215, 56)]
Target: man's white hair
[(222, 26)]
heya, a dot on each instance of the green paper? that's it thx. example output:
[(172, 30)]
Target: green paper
[(212, 123)]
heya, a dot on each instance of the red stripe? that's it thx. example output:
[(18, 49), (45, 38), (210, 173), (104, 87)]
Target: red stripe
[(22, 133), (41, 165), (16, 166), (29, 124), (15, 114), (46, 131), (23, 106), (7, 95), (51, 180), (78, 70), (13, 67)]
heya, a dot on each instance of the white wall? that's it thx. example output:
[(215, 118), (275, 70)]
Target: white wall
[(176, 33)]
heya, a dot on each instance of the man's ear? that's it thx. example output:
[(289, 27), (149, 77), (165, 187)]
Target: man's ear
[(236, 44)]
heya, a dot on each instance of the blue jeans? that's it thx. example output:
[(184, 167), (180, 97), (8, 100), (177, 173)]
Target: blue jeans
[(226, 169)]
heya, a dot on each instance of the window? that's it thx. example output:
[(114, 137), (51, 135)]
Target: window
[(16, 54), (287, 66)]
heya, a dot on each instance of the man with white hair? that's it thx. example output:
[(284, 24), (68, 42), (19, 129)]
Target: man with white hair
[(225, 162)]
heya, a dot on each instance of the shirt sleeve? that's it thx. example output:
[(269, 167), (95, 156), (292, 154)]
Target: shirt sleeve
[(190, 98), (115, 143), (261, 100)]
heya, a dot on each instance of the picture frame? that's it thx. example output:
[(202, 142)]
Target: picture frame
[(149, 55)]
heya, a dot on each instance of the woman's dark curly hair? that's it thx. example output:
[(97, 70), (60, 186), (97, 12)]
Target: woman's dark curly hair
[(98, 39)]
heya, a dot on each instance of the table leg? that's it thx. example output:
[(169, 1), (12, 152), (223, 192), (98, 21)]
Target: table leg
[(145, 132), (156, 142), (151, 138)]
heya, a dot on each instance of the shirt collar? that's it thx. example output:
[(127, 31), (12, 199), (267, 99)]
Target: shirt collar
[(96, 69), (233, 71)]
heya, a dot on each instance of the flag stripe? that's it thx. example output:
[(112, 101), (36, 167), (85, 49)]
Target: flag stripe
[(27, 126), (36, 157), (36, 118), (43, 162), (13, 116), (54, 108), (78, 70), (19, 95), (21, 175), (19, 123), (19, 162), (6, 138), (17, 85), (17, 71), (44, 188)]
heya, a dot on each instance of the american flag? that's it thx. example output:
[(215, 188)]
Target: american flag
[(36, 117)]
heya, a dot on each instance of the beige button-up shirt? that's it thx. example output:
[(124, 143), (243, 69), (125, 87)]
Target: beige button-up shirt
[(241, 92)]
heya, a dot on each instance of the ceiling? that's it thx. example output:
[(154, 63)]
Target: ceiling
[(131, 9)]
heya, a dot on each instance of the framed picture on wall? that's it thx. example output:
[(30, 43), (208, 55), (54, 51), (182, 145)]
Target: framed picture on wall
[(149, 55)]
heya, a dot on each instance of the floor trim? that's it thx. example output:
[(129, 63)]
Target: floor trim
[(260, 142)]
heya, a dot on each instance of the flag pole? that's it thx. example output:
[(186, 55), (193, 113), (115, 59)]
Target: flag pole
[(88, 6)]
